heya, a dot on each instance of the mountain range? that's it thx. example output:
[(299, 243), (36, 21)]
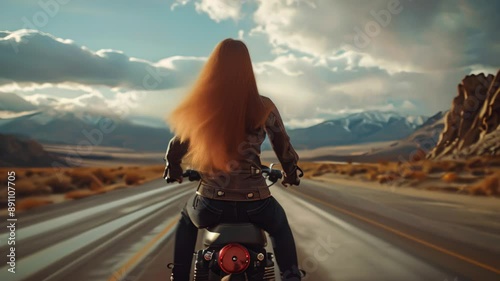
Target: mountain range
[(364, 127), (470, 128), (462, 131), (51, 126)]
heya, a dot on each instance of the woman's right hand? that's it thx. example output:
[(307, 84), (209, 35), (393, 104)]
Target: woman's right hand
[(290, 181)]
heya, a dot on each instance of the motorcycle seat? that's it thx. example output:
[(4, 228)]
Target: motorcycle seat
[(242, 233)]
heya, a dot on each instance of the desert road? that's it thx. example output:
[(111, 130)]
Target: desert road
[(342, 233)]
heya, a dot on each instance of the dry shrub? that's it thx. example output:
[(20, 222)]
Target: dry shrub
[(414, 175), (371, 175), (307, 166), (132, 178), (307, 176), (104, 175), (452, 166), (356, 170), (494, 161), (323, 167), (59, 183), (476, 162), (342, 169), (84, 179), (450, 177), (316, 173), (481, 172), (431, 167), (43, 173), (406, 173), (26, 187), (412, 167), (157, 169), (389, 167), (328, 168), (490, 186), (386, 178), (382, 166), (312, 169), (419, 175), (77, 194), (29, 203)]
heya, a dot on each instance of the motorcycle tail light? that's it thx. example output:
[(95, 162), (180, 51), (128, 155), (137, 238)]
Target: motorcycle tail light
[(234, 258)]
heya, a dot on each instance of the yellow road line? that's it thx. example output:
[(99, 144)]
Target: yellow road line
[(132, 262), (402, 234)]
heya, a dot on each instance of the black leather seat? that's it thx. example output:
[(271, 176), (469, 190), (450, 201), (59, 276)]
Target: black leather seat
[(242, 233)]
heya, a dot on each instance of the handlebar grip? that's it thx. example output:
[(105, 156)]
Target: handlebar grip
[(192, 175)]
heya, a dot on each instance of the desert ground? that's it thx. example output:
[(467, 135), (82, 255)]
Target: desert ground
[(107, 169)]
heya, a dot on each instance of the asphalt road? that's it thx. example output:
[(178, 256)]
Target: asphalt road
[(342, 233)]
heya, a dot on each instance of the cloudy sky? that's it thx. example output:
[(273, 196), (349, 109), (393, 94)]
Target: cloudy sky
[(315, 58)]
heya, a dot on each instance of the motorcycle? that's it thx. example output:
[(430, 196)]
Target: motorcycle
[(235, 251)]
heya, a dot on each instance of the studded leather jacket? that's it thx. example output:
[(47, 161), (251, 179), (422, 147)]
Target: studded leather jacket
[(246, 183)]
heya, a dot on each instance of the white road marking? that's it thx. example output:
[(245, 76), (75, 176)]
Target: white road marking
[(44, 258), (49, 225)]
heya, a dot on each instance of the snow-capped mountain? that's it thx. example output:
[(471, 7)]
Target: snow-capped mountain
[(363, 127), (14, 103), (47, 125)]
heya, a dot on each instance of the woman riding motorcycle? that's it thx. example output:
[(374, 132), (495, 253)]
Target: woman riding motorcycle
[(219, 129)]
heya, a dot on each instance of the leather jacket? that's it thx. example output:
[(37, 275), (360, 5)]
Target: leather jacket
[(245, 183)]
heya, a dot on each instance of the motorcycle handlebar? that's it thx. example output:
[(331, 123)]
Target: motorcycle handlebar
[(271, 174), (192, 175)]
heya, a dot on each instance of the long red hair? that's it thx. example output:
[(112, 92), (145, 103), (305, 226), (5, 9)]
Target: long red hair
[(223, 105)]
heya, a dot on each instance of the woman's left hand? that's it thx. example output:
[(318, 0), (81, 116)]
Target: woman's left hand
[(170, 175)]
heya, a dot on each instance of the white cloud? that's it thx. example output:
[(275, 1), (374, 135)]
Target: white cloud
[(312, 77), (42, 58), (302, 123), (93, 101), (119, 102), (308, 88), (178, 3), (26, 87), (408, 105), (241, 34), (219, 10), (333, 56), (188, 64), (409, 36), (362, 86), (477, 69)]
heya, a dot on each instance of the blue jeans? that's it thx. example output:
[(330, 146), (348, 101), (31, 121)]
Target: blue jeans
[(204, 212)]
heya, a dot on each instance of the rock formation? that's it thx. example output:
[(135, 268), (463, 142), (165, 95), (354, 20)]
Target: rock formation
[(474, 115)]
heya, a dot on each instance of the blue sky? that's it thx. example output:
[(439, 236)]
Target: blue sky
[(316, 58)]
